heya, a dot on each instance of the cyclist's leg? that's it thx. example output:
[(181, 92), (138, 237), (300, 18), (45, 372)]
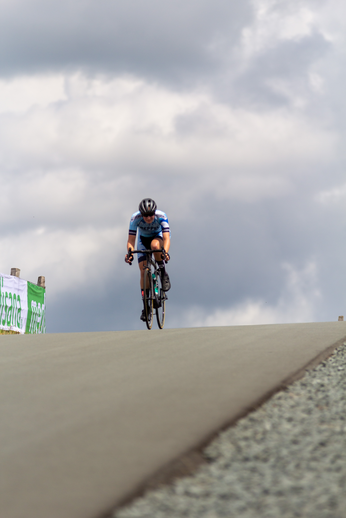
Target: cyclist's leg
[(157, 244), (142, 263), (144, 289), (142, 244)]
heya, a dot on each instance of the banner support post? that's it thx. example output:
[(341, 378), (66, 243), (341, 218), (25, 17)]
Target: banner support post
[(41, 281)]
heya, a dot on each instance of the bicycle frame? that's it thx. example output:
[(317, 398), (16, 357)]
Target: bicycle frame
[(154, 296)]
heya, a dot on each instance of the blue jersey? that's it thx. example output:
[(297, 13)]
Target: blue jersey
[(158, 227)]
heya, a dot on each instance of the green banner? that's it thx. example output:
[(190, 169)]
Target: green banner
[(36, 319)]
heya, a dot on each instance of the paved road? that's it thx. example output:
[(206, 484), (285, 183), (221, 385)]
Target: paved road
[(85, 418)]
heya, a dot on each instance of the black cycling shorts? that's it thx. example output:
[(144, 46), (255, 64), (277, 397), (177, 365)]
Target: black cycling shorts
[(144, 243)]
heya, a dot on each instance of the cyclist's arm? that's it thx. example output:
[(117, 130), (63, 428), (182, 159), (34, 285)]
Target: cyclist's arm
[(131, 242), (166, 240), (166, 233)]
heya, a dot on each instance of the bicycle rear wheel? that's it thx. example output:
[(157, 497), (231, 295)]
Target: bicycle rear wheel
[(148, 298), (160, 302)]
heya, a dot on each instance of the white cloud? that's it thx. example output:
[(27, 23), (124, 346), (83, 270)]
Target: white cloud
[(332, 196), (298, 302), (68, 259), (275, 21), (22, 93), (106, 128), (330, 18)]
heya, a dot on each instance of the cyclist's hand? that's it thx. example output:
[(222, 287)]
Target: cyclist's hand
[(129, 258), (165, 256)]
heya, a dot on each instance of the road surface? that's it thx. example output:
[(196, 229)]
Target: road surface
[(87, 418)]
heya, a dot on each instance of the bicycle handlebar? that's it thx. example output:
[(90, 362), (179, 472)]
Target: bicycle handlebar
[(146, 251), (131, 252)]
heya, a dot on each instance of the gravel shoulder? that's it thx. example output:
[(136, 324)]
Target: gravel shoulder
[(286, 459)]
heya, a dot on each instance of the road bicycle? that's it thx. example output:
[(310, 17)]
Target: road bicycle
[(154, 296)]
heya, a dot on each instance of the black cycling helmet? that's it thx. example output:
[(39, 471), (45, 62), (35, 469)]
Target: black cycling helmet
[(147, 207)]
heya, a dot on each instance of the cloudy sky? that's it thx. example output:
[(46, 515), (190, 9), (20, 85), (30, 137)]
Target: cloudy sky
[(231, 115)]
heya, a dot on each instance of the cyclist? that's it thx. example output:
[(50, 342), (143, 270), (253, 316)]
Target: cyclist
[(153, 233)]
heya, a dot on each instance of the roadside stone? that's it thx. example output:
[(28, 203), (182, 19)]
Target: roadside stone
[(287, 459)]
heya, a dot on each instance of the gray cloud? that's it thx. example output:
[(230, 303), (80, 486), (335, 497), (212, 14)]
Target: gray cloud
[(162, 41), (247, 161), (238, 253), (278, 75)]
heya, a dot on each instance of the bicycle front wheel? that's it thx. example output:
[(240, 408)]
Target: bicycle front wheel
[(148, 298), (160, 302)]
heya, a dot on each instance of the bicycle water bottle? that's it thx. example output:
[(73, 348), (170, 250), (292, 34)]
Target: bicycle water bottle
[(156, 289)]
